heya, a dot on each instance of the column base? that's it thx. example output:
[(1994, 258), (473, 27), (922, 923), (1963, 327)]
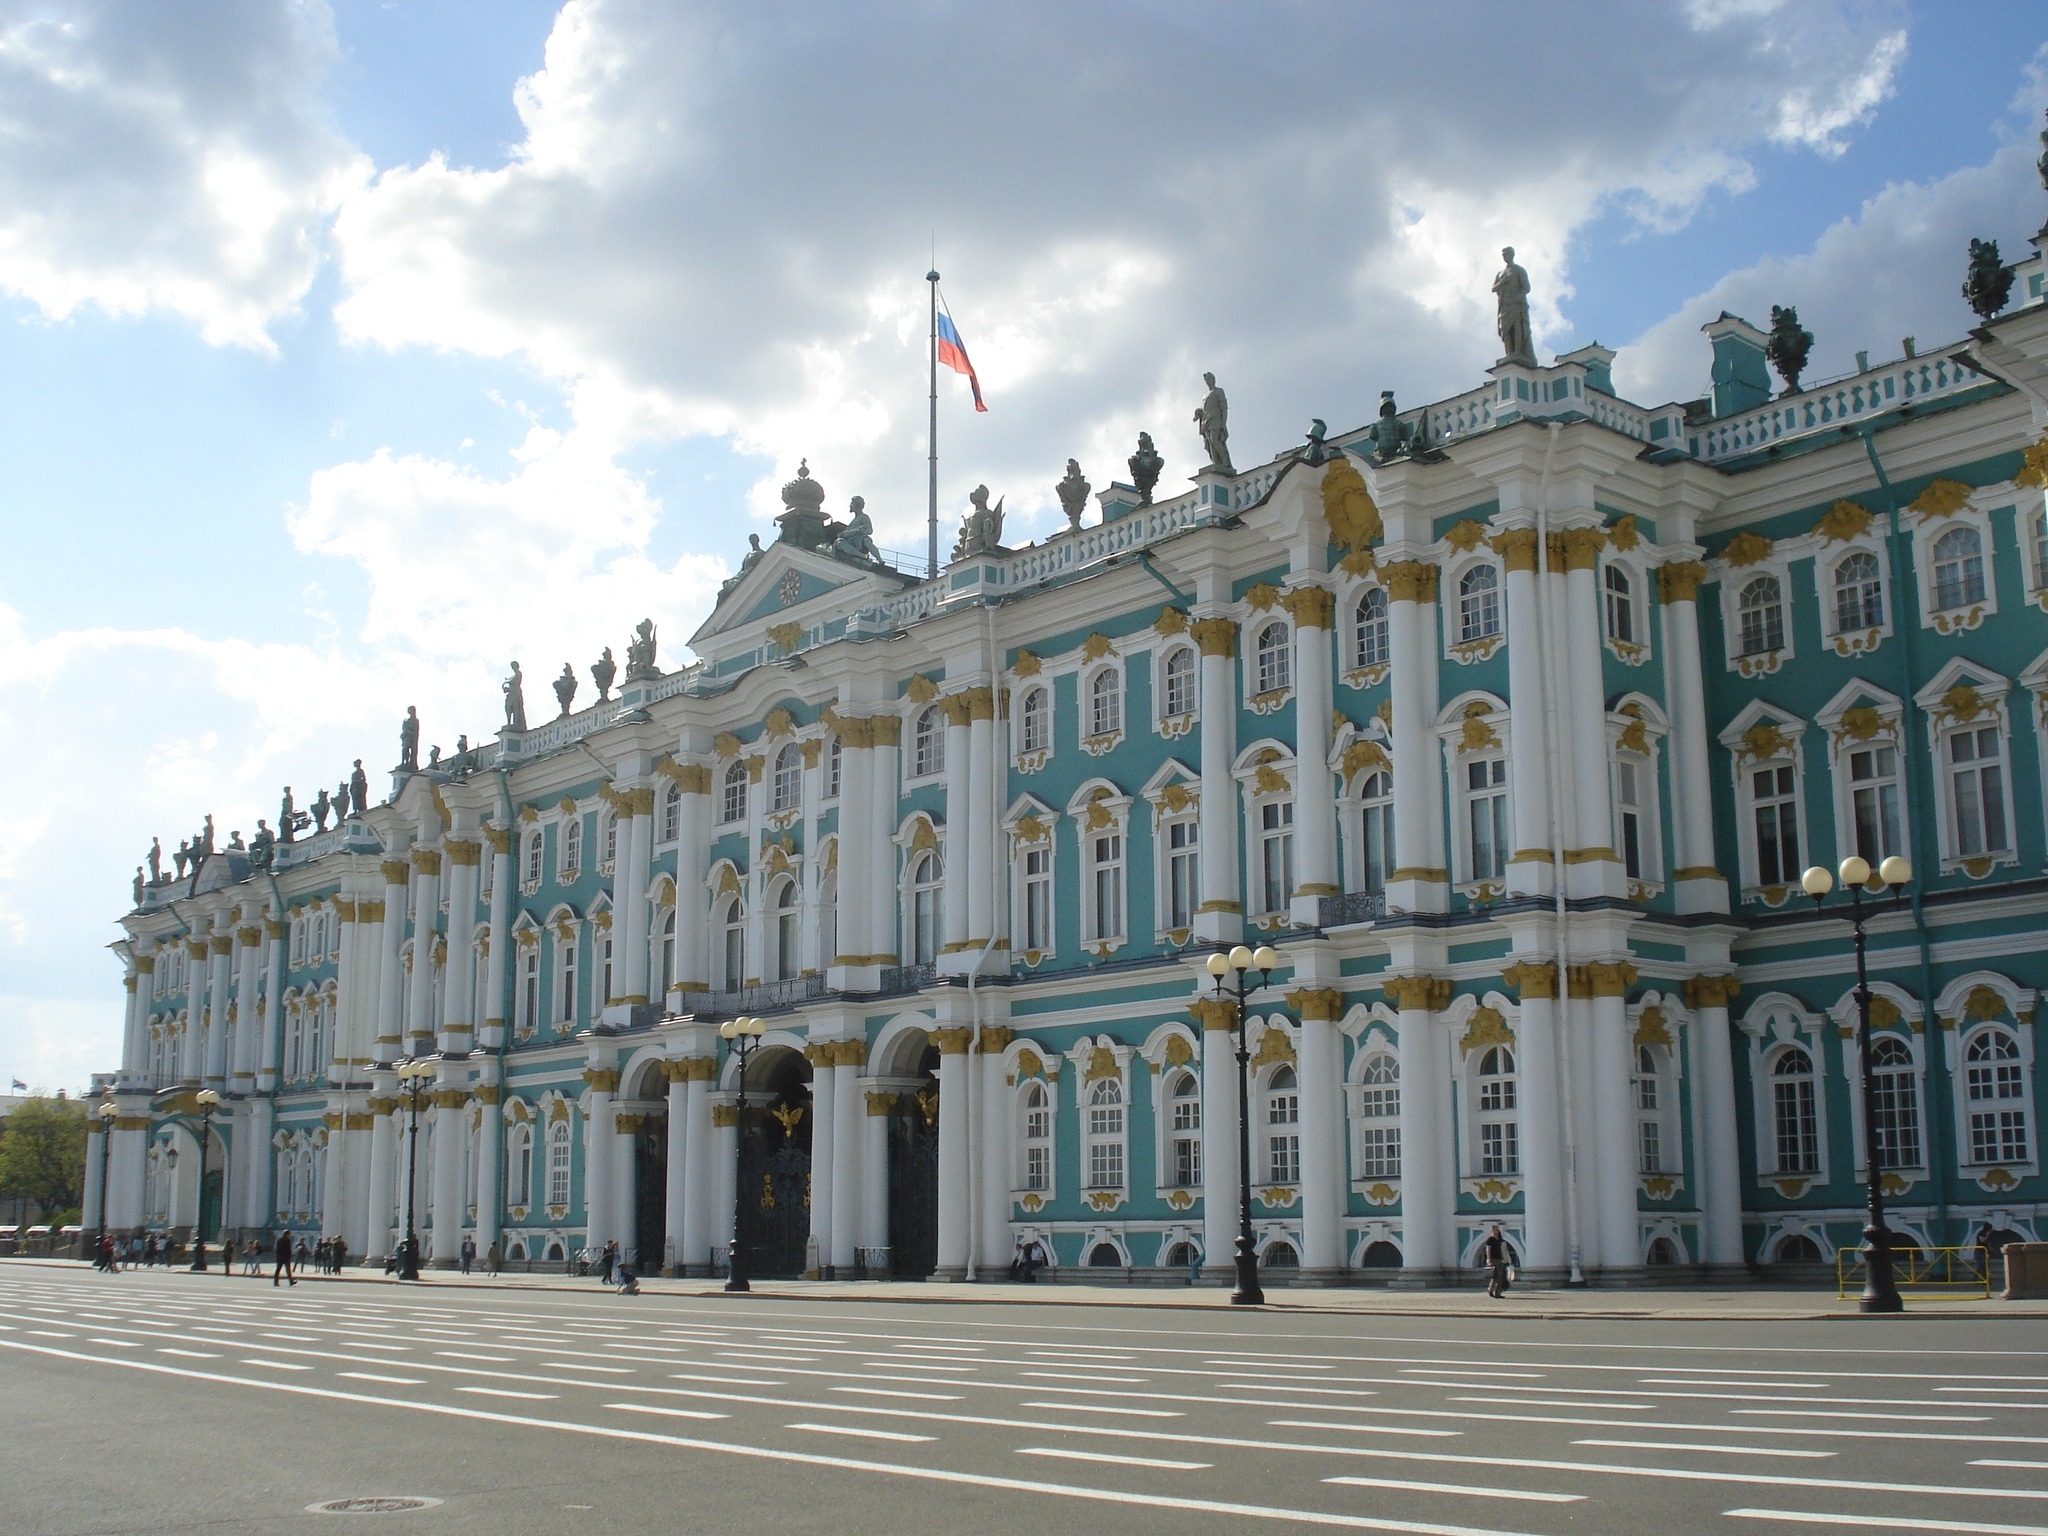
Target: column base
[(1623, 1277), (1429, 1279), (951, 1274), (1337, 1275)]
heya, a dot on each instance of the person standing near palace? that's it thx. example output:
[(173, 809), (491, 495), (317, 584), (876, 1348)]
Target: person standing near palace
[(1495, 1255), (283, 1266), (468, 1252)]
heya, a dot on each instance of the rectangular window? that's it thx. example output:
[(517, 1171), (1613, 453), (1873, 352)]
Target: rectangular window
[(1037, 1168), (1777, 826), (1379, 1154), (1650, 1147), (1798, 1129), (1276, 853), (1109, 885), (529, 988), (568, 969), (1183, 875), (1628, 800), (1499, 1152), (1976, 778), (1376, 844), (604, 974), (1106, 1165), (1283, 1159), (1486, 809), (1998, 1136), (1874, 802), (1038, 899)]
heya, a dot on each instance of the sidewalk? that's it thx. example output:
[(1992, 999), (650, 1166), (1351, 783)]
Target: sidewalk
[(1661, 1304)]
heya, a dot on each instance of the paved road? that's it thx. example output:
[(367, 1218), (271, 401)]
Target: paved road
[(153, 1401)]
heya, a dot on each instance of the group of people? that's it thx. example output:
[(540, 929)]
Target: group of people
[(615, 1270)]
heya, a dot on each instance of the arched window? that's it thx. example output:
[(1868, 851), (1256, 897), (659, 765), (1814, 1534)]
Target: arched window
[(1106, 702), (1273, 658), (558, 1163), (533, 858), (1859, 592), (1379, 1110), (928, 743), (519, 1166), (1621, 606), (1795, 1123), (1369, 640), (789, 778), (1034, 721), (668, 950), (732, 805), (1375, 830), (1184, 1111), (1283, 1127), (1178, 695), (1958, 569), (609, 839), (927, 877), (1037, 1107), (732, 921), (1994, 1084), (1500, 1151), (1106, 1135), (1760, 616), (1478, 604), (572, 844), (787, 955), (1649, 1113), (1895, 1098), (672, 812)]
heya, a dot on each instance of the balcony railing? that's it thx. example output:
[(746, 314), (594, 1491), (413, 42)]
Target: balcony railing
[(1352, 907), (766, 996), (897, 979)]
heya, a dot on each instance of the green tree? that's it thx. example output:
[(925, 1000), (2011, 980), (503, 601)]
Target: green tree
[(42, 1154)]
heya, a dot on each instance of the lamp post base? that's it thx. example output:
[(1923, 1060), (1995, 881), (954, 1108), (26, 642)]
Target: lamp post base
[(1880, 1287), (1248, 1293), (199, 1257), (738, 1283), (409, 1261)]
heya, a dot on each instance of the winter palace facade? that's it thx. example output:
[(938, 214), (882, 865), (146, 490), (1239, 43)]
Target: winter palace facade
[(1511, 723)]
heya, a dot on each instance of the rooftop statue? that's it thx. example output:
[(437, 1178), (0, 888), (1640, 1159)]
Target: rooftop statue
[(856, 540), (981, 530), (602, 671), (565, 687), (409, 738), (359, 788), (138, 885), (1212, 417), (287, 817), (1315, 451), (343, 802), (514, 689), (1988, 284), (640, 667), (235, 843), (434, 752), (1145, 466), (182, 857), (321, 806), (262, 846), (802, 519), (461, 743), (206, 835), (1389, 437), (1072, 491), (1788, 347), (1511, 320), (156, 861)]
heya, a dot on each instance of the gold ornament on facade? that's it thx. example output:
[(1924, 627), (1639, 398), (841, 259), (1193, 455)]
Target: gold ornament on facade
[(1635, 735), (1261, 596), (1678, 581), (1177, 796), (920, 689), (1353, 519), (1493, 1191), (1411, 994), (1651, 1028), (1309, 606), (1178, 1051), (1747, 549), (601, 1079), (1319, 1004), (1941, 498), (1659, 1187), (1410, 581), (1171, 621), (1465, 535), (1477, 733), (788, 637), (1961, 704), (1215, 636), (1486, 1027), (1625, 535), (1764, 741), (1531, 978), (1843, 521), (1026, 664), (1516, 548), (1582, 547), (1274, 1046), (2034, 464)]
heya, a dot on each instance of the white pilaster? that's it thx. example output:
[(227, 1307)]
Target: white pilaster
[(847, 1115), (1315, 795), (1715, 1142), (1219, 1135), (675, 1192), (954, 1088), (824, 1144), (1220, 918), (1321, 1077)]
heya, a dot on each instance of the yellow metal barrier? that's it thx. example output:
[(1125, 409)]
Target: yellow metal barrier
[(1937, 1274)]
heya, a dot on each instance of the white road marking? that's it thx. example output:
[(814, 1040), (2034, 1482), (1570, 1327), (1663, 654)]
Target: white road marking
[(503, 1392), (608, 1370), (1558, 1402), (1490, 1375), (1531, 1495), (49, 1333), (730, 1381), (190, 1354), (456, 1354), (922, 1397), (859, 1432), (772, 1359), (1129, 1381), (921, 1365), (1672, 1381), (118, 1343), (1718, 1450), (279, 1365), (396, 1381), (1885, 1522), (668, 1413), (2017, 1466), (1133, 1413), (1318, 1390), (1888, 1418), (1115, 1461)]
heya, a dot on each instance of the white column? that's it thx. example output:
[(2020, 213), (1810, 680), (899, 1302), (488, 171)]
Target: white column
[(724, 1173), (128, 1148), (1315, 795), (983, 812), (881, 861), (847, 1116), (451, 1150), (502, 951), (1542, 1118), (599, 1138), (959, 818), (135, 1026), (248, 1017), (220, 970), (360, 985), (1528, 720), (458, 1011), (1322, 1153), (629, 893), (874, 1157), (1428, 1169), (701, 1200), (1418, 879), (260, 1162), (1714, 1140), (426, 896), (954, 1087), (1220, 918), (192, 1055), (1219, 1134), (334, 1181), (994, 1247), (626, 1189), (89, 1219), (1598, 868), (1692, 814), (1613, 1118), (824, 1143), (856, 810), (490, 1162), (272, 1040), (693, 912), (675, 1201), (390, 975)]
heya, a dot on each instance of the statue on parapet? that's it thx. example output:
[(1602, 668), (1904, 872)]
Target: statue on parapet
[(1072, 490), (287, 817), (156, 861), (1389, 436), (359, 788), (602, 673), (408, 740), (640, 667), (1511, 312), (1212, 418), (262, 846), (856, 540), (1145, 466), (321, 806), (182, 857), (1315, 451), (434, 752), (981, 530), (565, 687), (514, 689), (206, 835), (138, 885)]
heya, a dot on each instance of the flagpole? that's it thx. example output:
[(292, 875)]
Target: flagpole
[(932, 513)]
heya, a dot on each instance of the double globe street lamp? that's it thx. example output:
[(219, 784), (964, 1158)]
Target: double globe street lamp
[(743, 1036), (413, 1077), (1880, 1287), (106, 1113), (1236, 964), (208, 1101)]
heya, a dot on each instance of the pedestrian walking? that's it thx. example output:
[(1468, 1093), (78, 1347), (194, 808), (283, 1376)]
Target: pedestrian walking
[(609, 1259), (283, 1266), (492, 1260), (252, 1260), (1496, 1255), (227, 1256), (340, 1254), (468, 1252)]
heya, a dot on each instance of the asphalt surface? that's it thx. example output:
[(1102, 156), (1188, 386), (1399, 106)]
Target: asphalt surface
[(167, 1402)]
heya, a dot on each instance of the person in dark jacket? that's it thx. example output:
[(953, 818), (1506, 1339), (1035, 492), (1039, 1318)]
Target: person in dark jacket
[(1495, 1254), (283, 1266)]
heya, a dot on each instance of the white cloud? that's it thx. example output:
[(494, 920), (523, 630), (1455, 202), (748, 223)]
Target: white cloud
[(171, 158)]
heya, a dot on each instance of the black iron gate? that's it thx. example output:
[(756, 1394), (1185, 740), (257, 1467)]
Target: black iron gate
[(775, 1206), (650, 1195), (914, 1185)]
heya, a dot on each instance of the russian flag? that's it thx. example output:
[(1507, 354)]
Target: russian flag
[(953, 353)]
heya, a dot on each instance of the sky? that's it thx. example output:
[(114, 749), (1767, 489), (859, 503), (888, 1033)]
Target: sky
[(350, 349)]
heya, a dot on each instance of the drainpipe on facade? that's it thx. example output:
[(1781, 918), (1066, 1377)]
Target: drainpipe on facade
[(1564, 1032), (1909, 734)]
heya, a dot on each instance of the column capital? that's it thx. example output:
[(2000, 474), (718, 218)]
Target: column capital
[(462, 853), (1582, 547), (1678, 581), (850, 1053), (1516, 548), (724, 1116), (427, 860), (500, 838), (995, 1037), (448, 1098), (1602, 978), (952, 1040), (1410, 581), (1216, 636), (881, 1102), (221, 943), (1531, 978), (1321, 1004), (1417, 994), (1309, 606), (396, 871), (601, 1079), (1214, 1012), (628, 1125), (1711, 991)]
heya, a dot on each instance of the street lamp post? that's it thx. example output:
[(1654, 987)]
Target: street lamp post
[(208, 1102), (106, 1112), (1236, 964), (413, 1077), (1880, 1287), (744, 1037)]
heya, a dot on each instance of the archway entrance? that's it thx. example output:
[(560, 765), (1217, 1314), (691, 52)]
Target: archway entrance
[(914, 1173), (774, 1215), (650, 1194)]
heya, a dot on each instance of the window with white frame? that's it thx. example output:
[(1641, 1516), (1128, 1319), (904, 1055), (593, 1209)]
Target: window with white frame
[(1106, 1135), (1895, 1100), (1478, 604), (1994, 1087), (604, 967), (1375, 829), (2035, 537), (927, 880), (317, 946), (1859, 592), (1034, 720), (1106, 702), (565, 980), (572, 845), (533, 861), (558, 1162), (1276, 854), (832, 767), (1760, 616), (1370, 645), (1181, 854), (928, 743), (1874, 801), (1795, 1117), (671, 812), (1036, 879), (787, 960), (1037, 1121), (1500, 1150), (1634, 816), (1379, 1115), (788, 787), (1957, 560), (732, 802), (1486, 817), (1106, 883), (487, 874), (1650, 1106), (1178, 682), (828, 917), (732, 924), (529, 986), (1184, 1131), (608, 858), (1620, 598), (1283, 1127), (1774, 811), (519, 1166), (298, 941), (1272, 658), (1974, 772)]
